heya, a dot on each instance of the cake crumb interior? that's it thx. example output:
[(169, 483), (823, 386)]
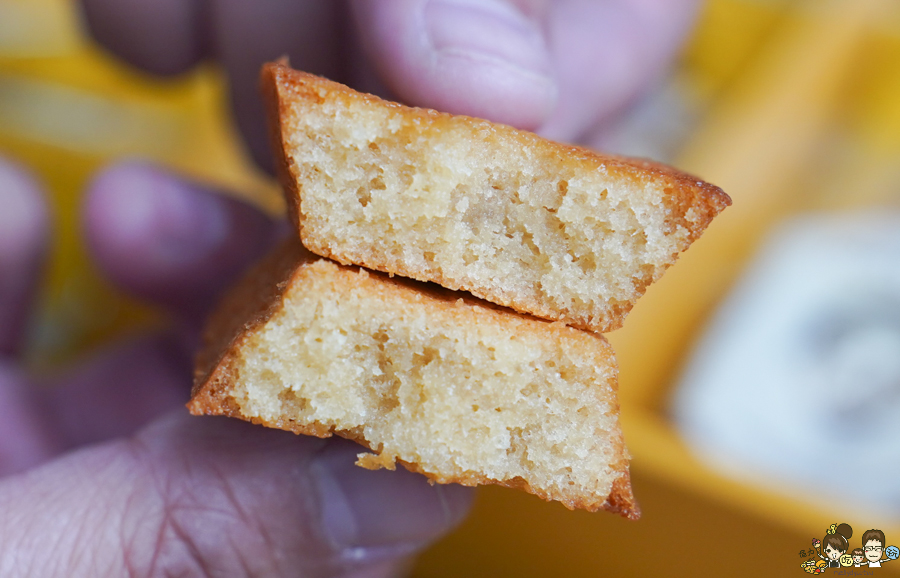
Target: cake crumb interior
[(446, 388)]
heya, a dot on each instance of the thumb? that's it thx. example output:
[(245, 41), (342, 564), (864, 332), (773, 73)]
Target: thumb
[(605, 54), (564, 68), (483, 58), (218, 497)]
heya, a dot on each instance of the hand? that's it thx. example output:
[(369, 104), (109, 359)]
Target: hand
[(564, 68), (103, 471)]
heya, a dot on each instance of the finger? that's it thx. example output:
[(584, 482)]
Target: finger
[(25, 439), (481, 58), (110, 395), (213, 496), (169, 241), (170, 36), (23, 245), (604, 54), (117, 392), (160, 36), (247, 34)]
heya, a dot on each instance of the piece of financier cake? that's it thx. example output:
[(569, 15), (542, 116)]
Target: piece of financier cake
[(443, 383), (553, 230)]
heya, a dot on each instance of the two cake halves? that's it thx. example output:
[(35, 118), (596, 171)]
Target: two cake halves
[(459, 389)]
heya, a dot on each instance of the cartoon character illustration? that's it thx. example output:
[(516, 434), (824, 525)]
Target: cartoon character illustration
[(873, 544), (834, 544), (858, 556), (810, 567), (814, 567)]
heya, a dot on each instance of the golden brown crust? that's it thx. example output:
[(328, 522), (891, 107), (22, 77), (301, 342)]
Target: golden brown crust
[(275, 107), (620, 500), (260, 295), (247, 306), (690, 203)]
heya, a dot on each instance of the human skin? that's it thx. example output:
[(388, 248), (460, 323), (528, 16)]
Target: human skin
[(103, 472), (103, 462), (563, 68)]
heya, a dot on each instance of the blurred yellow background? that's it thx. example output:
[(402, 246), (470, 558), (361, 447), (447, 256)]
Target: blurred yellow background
[(791, 106)]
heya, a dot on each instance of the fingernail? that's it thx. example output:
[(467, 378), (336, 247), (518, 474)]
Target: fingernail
[(172, 221), (486, 30), (364, 509)]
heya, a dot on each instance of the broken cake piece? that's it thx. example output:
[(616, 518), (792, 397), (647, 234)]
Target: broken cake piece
[(443, 383), (553, 230)]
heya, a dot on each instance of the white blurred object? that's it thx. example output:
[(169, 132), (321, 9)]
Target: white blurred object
[(798, 377)]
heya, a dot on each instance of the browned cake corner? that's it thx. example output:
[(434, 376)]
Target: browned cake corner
[(245, 307), (553, 230), (447, 385)]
